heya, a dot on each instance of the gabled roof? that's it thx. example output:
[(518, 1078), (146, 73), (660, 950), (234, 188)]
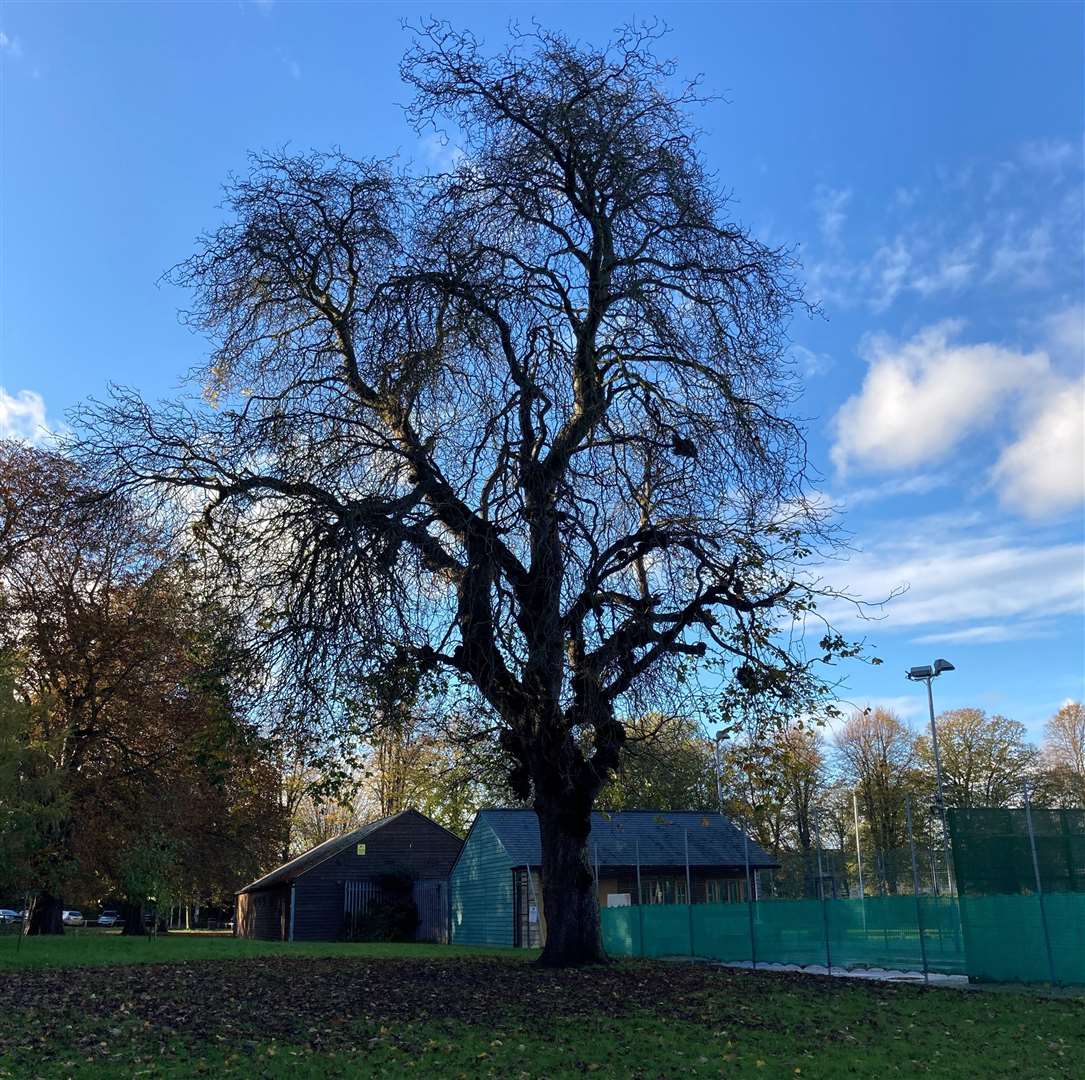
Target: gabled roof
[(624, 837), (301, 864)]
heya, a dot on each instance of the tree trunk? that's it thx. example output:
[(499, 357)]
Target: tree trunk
[(133, 920), (570, 904), (46, 916)]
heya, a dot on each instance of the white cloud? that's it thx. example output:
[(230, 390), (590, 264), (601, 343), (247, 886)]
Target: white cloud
[(831, 205), (920, 484), (990, 633), (953, 268), (810, 363), (960, 578), (10, 45), (1050, 155), (922, 397), (22, 416), (1023, 255), (1066, 335), (1043, 472), (439, 152)]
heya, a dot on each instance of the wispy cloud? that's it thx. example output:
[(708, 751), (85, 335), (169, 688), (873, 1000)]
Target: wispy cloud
[(831, 205), (22, 416), (810, 363), (991, 633), (961, 575), (1023, 255), (439, 152), (921, 484), (10, 46), (1050, 155), (1013, 224)]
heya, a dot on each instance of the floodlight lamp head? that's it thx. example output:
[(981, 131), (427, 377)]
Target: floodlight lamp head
[(943, 665), (918, 674)]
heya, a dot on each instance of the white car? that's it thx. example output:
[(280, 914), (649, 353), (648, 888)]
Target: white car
[(73, 918), (9, 916), (109, 918)]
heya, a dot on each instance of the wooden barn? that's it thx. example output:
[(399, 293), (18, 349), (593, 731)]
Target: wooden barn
[(315, 896), (639, 856)]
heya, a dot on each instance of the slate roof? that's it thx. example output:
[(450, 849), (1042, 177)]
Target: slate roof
[(299, 865), (659, 835)]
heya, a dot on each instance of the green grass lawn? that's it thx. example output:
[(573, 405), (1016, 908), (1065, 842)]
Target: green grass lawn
[(200, 1005), (91, 947)]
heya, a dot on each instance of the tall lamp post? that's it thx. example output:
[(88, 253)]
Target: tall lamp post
[(720, 737), (928, 674)]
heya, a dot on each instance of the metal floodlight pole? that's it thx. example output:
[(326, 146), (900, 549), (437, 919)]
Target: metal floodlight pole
[(824, 908), (915, 890), (1039, 884), (689, 891), (859, 857), (928, 675), (720, 736), (749, 900)]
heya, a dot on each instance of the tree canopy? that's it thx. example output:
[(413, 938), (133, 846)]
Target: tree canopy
[(526, 422)]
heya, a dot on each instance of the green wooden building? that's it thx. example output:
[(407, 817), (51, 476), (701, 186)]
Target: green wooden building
[(639, 856)]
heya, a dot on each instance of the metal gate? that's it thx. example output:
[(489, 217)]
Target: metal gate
[(430, 898)]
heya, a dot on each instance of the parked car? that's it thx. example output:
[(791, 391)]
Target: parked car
[(109, 918), (73, 918), (9, 916)]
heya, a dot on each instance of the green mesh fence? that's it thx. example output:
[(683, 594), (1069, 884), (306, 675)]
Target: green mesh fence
[(876, 932), (1004, 937), (995, 938), (992, 855)]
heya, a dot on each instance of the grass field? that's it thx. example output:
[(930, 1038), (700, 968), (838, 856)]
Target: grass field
[(187, 1006), (90, 947)]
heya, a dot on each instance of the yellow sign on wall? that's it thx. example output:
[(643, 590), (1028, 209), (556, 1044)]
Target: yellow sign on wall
[(361, 849)]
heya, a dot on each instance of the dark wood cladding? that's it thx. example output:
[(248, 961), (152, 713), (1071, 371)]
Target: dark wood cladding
[(409, 843)]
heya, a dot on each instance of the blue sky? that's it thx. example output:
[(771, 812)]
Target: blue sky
[(925, 159)]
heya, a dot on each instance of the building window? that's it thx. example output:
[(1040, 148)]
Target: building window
[(663, 889), (725, 890)]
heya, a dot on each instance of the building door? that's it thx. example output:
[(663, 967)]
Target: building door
[(431, 900), (526, 922)]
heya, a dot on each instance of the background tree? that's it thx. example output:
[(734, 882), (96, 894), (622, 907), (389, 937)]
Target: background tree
[(666, 763), (1063, 755), (985, 759), (125, 680), (876, 755), (526, 422)]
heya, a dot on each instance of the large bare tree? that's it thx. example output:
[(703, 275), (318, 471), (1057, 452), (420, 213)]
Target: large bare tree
[(526, 422)]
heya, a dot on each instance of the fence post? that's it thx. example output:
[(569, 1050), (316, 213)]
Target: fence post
[(1039, 885), (689, 892), (859, 858), (640, 898), (915, 889), (824, 909), (749, 898)]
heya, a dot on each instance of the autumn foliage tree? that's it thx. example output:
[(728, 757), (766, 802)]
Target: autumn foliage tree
[(525, 423), (120, 693)]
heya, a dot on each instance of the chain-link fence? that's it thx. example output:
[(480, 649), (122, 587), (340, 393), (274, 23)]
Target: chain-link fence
[(1003, 900)]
